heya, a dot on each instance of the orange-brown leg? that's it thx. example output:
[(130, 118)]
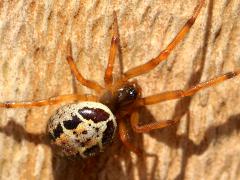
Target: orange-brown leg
[(113, 49), (50, 101), (147, 127), (78, 75), (142, 69), (180, 93), (172, 95), (123, 134)]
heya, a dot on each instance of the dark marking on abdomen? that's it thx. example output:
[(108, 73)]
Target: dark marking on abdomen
[(51, 136), (73, 123), (57, 131), (95, 114), (108, 133), (92, 151)]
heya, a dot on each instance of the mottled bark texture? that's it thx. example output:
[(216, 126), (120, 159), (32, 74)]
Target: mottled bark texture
[(204, 145)]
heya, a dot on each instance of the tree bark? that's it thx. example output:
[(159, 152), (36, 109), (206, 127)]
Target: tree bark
[(204, 145)]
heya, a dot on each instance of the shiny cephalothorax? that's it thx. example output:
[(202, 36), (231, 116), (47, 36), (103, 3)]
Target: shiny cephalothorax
[(83, 129)]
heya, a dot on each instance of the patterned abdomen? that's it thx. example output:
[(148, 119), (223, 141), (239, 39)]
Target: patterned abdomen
[(82, 129)]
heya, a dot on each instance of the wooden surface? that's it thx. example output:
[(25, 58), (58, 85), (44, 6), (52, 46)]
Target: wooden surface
[(204, 145)]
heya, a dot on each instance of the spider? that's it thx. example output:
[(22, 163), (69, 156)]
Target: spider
[(84, 128)]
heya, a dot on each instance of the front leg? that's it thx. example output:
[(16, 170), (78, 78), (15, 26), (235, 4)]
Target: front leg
[(169, 95)]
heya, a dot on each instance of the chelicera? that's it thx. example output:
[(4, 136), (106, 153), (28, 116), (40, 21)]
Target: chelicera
[(84, 128)]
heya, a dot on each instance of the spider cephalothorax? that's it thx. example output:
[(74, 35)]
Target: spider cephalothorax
[(85, 128), (119, 97), (127, 94)]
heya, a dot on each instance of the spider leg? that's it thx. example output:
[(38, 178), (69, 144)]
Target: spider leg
[(113, 49), (123, 134), (147, 127), (50, 101), (144, 68), (183, 93), (78, 75)]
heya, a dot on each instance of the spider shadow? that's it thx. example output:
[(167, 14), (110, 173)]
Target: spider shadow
[(18, 133), (169, 137), (115, 163)]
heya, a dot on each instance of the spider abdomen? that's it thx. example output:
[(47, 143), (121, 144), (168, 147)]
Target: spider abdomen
[(82, 129)]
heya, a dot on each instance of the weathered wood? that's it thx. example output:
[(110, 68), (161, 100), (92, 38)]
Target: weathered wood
[(204, 145)]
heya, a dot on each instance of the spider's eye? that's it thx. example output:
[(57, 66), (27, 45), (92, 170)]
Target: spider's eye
[(132, 93), (126, 95)]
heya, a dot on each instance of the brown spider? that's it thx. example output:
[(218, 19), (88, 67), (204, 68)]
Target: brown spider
[(85, 128)]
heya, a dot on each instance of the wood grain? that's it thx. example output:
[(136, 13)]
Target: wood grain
[(204, 145)]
